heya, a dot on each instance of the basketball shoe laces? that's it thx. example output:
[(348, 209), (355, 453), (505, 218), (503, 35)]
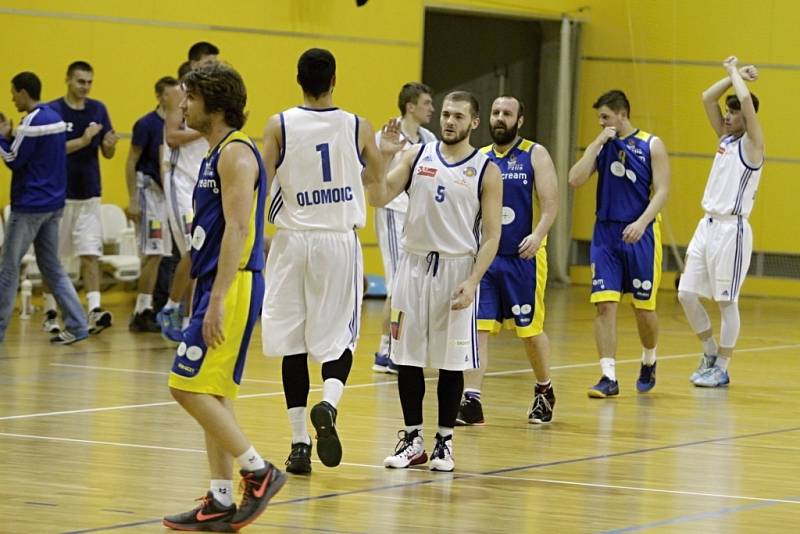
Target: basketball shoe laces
[(405, 447), (439, 448), (541, 404), (248, 485)]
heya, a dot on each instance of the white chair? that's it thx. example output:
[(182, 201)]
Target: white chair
[(119, 234)]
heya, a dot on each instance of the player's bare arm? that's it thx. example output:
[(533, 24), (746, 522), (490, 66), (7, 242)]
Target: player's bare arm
[(712, 95), (583, 169), (73, 145), (491, 216), (381, 192), (753, 142), (133, 210), (661, 175), (238, 172), (174, 134), (546, 187), (108, 146), (273, 141)]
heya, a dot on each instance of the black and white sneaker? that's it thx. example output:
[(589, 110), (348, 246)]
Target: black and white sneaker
[(99, 320), (542, 408), (299, 461), (470, 412), (442, 457), (65, 337), (329, 448), (50, 323)]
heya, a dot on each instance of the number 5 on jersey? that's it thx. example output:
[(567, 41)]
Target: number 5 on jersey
[(440, 194)]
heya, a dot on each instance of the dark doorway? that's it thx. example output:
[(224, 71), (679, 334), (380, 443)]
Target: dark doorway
[(487, 56)]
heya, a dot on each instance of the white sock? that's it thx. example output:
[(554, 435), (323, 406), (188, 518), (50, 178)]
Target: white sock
[(332, 390), (297, 421), (171, 305), (608, 365), (250, 460), (444, 432), (93, 299), (723, 362), (223, 491), (49, 302), (648, 356), (412, 428), (384, 345), (143, 302), (710, 346)]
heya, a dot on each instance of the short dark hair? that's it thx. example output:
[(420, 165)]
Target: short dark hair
[(732, 101), (200, 49), (163, 83), (615, 100), (28, 82), (222, 89), (78, 65), (315, 71), (520, 104), (410, 93), (465, 96), (183, 69)]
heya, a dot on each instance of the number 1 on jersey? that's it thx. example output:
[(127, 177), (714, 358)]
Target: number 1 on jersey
[(325, 154)]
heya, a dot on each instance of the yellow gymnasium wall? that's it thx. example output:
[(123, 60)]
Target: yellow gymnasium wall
[(677, 47)]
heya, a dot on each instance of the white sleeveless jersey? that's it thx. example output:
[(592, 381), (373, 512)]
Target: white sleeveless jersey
[(184, 162), (400, 202), (444, 210), (732, 182), (317, 183)]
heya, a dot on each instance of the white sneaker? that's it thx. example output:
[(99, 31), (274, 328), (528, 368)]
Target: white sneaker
[(410, 450), (706, 362), (50, 323), (99, 320), (442, 457)]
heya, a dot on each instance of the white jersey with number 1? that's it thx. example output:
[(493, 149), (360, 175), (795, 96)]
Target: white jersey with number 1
[(317, 183)]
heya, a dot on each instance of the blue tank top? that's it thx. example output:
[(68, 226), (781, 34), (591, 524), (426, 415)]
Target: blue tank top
[(516, 168), (625, 176), (209, 220)]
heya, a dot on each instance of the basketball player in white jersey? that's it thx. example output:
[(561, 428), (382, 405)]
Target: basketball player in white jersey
[(416, 108), (719, 254), (182, 154), (450, 237), (320, 159)]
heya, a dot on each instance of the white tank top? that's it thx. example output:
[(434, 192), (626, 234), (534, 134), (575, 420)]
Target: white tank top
[(184, 162), (444, 203), (732, 182), (400, 202), (317, 184)]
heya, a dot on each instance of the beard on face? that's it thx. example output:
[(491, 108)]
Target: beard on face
[(504, 136), (459, 136)]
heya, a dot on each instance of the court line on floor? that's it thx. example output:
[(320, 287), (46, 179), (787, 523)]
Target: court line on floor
[(497, 474), (372, 384), (688, 518)]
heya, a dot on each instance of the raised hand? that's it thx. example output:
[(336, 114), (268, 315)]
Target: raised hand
[(749, 73), (730, 62), (608, 133), (391, 140)]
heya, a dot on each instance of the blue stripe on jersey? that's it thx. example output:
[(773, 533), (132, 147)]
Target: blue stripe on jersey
[(414, 167), (480, 178), (457, 163), (741, 158), (737, 205), (275, 206), (358, 152), (283, 143)]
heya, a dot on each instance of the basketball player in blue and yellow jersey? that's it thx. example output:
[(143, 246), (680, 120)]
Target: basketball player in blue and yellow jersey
[(512, 290), (632, 187), (227, 262)]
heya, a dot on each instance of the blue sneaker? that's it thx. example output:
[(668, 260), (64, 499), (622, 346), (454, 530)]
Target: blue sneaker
[(170, 323), (706, 362), (647, 378), (604, 388), (384, 364), (714, 377)]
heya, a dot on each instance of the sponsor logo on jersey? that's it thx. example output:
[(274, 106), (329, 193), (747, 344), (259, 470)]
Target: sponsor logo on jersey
[(470, 171), (427, 158), (427, 171)]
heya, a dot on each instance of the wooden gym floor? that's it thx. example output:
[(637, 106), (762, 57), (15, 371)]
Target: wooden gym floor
[(90, 440)]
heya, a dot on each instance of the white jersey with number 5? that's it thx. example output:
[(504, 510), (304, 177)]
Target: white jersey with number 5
[(317, 184), (444, 211), (732, 182)]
